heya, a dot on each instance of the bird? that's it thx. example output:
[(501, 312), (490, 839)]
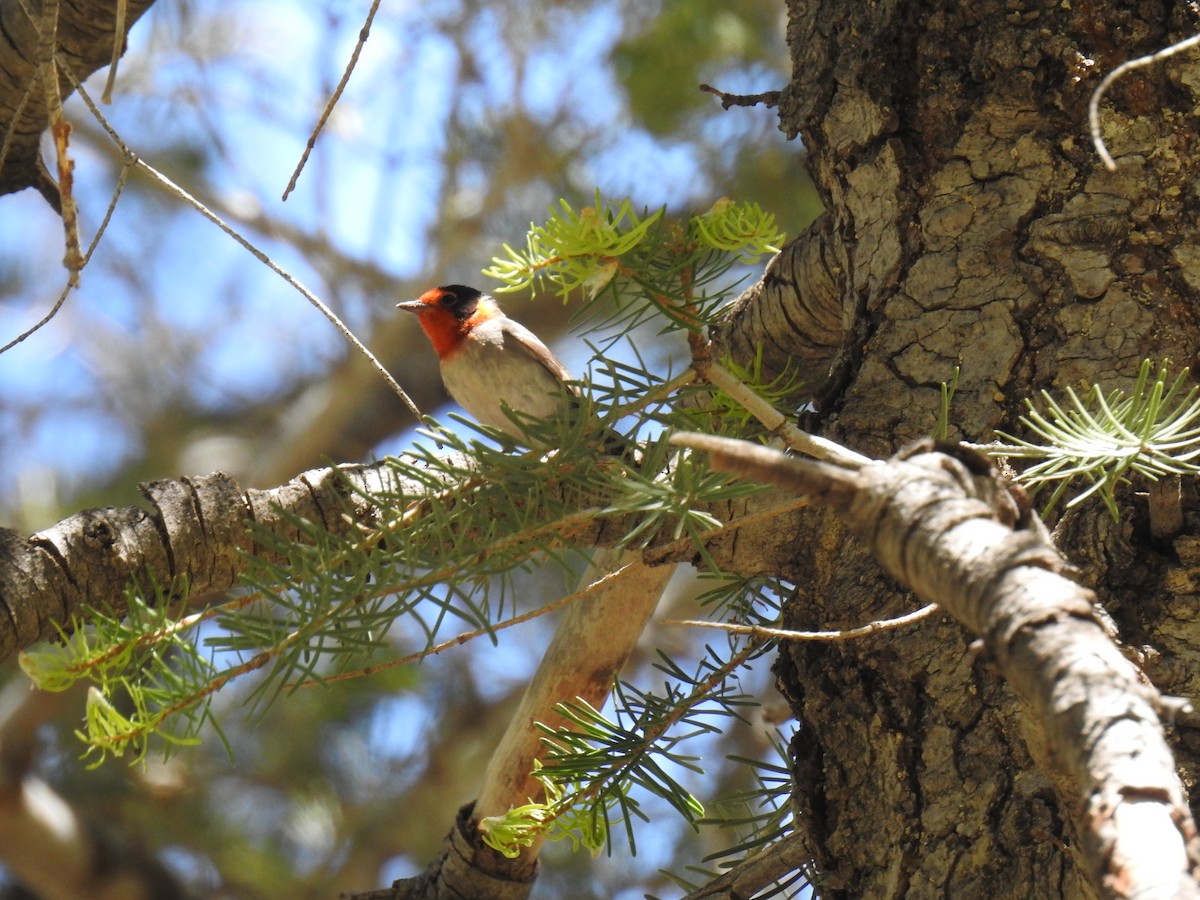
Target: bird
[(489, 361)]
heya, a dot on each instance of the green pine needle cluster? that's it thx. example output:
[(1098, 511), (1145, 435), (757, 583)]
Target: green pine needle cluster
[(599, 764), (143, 670), (1152, 430), (653, 267)]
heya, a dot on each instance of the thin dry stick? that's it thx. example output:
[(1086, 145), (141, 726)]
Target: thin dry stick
[(795, 438), (363, 34), (62, 297), (1098, 94), (134, 160), (844, 634), (118, 44), (61, 130), (767, 98)]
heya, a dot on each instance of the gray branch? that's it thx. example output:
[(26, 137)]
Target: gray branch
[(942, 521)]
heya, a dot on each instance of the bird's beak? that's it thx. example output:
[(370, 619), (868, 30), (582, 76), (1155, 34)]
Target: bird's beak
[(413, 306)]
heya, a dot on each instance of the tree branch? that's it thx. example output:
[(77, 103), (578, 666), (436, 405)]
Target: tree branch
[(195, 534), (944, 524), (766, 98), (795, 316)]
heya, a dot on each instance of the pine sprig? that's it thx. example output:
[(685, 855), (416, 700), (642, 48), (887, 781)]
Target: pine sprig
[(596, 761), (575, 249), (142, 662), (742, 229), (653, 268), (321, 606), (1152, 431)]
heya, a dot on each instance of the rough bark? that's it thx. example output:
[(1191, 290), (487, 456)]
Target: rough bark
[(84, 33), (969, 223), (196, 535)]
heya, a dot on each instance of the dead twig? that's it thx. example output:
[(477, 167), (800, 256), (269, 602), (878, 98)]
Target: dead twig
[(786, 634), (363, 34), (1127, 66), (767, 98)]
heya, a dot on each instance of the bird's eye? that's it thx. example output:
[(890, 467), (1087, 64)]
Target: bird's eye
[(448, 300)]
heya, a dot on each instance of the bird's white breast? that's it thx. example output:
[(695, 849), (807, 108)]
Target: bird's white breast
[(499, 364)]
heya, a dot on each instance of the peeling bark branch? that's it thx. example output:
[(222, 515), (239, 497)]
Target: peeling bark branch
[(195, 534), (946, 526), (578, 663)]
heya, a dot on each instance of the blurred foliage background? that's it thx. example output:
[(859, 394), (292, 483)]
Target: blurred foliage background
[(181, 354)]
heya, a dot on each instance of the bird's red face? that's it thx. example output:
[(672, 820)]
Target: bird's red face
[(447, 315)]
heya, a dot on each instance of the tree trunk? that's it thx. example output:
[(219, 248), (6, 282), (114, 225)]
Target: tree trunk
[(969, 223)]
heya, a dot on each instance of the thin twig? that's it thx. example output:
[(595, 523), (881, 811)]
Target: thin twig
[(1098, 94), (134, 160), (112, 205), (118, 45), (62, 297), (363, 34), (775, 422), (46, 318), (767, 98), (290, 279), (844, 634)]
